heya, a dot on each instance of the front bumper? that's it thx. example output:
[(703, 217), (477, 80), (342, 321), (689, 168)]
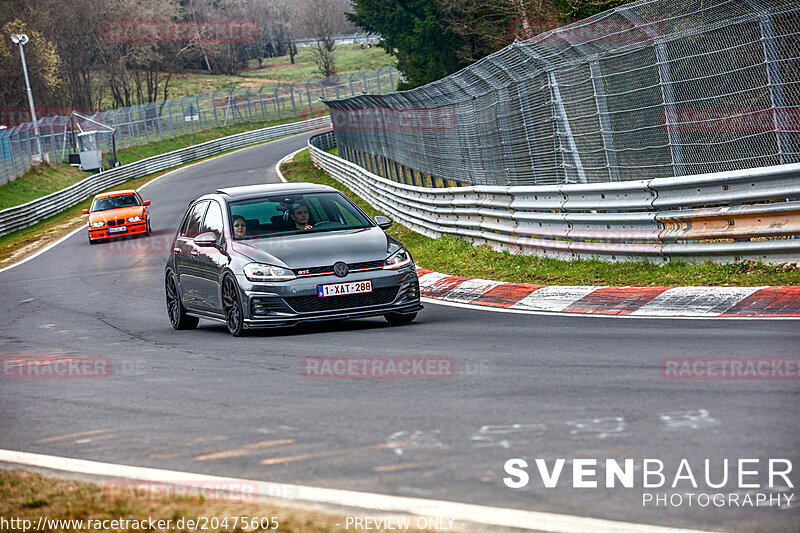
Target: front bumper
[(288, 303), (132, 228)]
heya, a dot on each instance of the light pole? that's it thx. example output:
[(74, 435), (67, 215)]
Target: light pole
[(22, 40)]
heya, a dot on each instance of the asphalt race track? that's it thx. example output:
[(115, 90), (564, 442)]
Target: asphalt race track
[(525, 386)]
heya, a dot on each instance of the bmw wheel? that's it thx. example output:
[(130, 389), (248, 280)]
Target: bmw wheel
[(231, 304), (177, 314)]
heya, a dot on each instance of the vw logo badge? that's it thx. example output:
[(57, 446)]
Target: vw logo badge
[(340, 269)]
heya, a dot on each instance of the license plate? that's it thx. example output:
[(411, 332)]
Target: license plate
[(340, 289), (121, 229)]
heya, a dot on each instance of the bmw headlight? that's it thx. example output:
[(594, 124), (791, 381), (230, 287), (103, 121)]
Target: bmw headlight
[(263, 272), (134, 219), (97, 224), (397, 260)]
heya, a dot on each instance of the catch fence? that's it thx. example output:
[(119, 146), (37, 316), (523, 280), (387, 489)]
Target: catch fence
[(650, 89)]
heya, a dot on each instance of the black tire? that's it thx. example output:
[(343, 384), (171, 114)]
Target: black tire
[(232, 305), (399, 319), (177, 314), (147, 233), (93, 241)]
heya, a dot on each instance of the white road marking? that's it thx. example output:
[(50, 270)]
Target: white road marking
[(284, 160), (478, 514)]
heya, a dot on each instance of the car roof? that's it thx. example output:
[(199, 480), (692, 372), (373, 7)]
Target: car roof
[(115, 193), (254, 191)]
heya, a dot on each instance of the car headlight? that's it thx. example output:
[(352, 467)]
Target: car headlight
[(134, 219), (397, 260), (97, 224), (263, 272)]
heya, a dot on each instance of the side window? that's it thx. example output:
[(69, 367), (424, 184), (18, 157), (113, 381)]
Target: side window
[(213, 220), (192, 224)]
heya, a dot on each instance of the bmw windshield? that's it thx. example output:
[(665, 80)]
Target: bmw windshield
[(115, 202), (294, 214)]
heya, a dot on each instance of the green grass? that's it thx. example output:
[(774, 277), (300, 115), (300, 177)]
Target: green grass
[(38, 182), (456, 256), (349, 58)]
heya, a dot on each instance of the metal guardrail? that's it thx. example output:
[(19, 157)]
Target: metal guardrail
[(659, 219), (21, 216)]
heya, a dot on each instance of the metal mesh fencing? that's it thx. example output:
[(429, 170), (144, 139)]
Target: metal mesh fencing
[(650, 89), (144, 123)]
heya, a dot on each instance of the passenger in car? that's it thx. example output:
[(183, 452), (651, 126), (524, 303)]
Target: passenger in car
[(239, 226), (300, 216)]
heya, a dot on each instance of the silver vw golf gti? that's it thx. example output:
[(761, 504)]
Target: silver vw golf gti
[(276, 255)]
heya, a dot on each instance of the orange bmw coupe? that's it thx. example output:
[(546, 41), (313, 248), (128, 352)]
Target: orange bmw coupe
[(117, 213)]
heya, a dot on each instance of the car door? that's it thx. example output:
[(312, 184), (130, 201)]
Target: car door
[(211, 261), (186, 251)]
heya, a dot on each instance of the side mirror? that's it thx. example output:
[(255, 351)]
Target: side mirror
[(147, 202), (208, 238), (383, 222), (85, 211)]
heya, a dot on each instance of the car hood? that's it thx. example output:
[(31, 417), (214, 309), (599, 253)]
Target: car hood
[(317, 249), (113, 214)]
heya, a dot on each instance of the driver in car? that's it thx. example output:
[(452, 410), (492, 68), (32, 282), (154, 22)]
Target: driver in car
[(300, 216)]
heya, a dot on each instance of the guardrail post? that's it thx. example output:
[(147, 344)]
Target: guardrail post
[(277, 102), (308, 94), (352, 89), (391, 79), (378, 80)]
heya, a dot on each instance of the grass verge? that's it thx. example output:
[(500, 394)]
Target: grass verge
[(456, 256), (29, 496)]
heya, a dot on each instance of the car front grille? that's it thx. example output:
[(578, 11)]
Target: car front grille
[(327, 269), (313, 304), (118, 222)]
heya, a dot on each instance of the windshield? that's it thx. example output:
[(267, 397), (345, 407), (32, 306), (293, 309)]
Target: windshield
[(115, 202), (295, 214)]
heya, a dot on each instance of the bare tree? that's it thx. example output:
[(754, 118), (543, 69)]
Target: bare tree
[(324, 20)]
